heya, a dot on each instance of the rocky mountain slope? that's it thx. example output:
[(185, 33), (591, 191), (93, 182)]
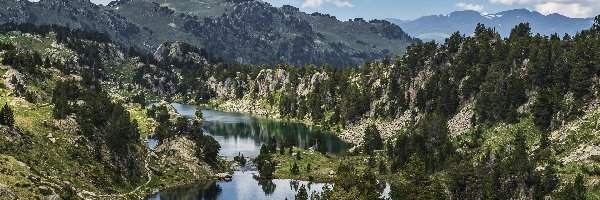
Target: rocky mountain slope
[(76, 133), (478, 93), (251, 32), (440, 27)]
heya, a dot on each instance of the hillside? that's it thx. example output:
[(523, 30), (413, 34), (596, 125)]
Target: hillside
[(250, 32), (74, 132), (524, 108), (440, 27)]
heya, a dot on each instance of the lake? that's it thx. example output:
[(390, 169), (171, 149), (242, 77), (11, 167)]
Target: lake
[(240, 133)]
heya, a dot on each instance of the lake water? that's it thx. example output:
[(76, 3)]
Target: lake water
[(239, 133), (243, 186)]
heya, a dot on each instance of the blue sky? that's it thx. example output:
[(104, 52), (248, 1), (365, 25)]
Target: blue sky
[(412, 9)]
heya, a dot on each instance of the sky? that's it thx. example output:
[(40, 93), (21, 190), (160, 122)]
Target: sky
[(412, 9)]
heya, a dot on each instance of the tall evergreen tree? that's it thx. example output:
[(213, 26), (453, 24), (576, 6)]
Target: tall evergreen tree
[(265, 163), (7, 117), (196, 130), (295, 170), (372, 140), (575, 190), (302, 193), (542, 110), (182, 126), (415, 183), (382, 168), (199, 112), (60, 100)]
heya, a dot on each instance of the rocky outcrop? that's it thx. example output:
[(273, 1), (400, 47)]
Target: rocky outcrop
[(579, 137), (307, 84), (584, 153), (179, 154), (270, 80), (461, 122), (6, 191), (354, 133), (180, 52), (7, 77), (225, 89)]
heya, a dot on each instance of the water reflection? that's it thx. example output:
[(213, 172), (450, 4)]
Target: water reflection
[(243, 186), (239, 133), (192, 192), (267, 186)]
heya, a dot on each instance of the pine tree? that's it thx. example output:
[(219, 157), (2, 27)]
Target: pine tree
[(431, 142), (140, 98), (265, 163), (121, 131), (60, 100), (575, 190), (29, 97), (281, 149), (548, 180), (579, 188), (6, 116), (581, 61), (302, 194), (416, 181), (272, 144), (542, 110), (290, 141), (199, 112), (382, 168), (182, 126), (47, 63), (372, 140), (368, 187), (209, 149), (196, 130), (295, 170)]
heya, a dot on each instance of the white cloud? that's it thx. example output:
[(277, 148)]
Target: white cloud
[(511, 2), (470, 6), (569, 8), (319, 3)]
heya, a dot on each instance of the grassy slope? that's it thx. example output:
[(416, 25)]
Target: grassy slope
[(42, 157), (321, 165)]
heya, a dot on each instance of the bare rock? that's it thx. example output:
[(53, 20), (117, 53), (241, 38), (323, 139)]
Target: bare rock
[(5, 191), (461, 122)]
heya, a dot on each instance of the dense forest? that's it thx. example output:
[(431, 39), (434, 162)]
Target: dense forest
[(517, 93)]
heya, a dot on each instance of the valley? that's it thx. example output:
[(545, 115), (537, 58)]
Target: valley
[(98, 110)]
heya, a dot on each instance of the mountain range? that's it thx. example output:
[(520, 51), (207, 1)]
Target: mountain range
[(244, 31), (439, 27)]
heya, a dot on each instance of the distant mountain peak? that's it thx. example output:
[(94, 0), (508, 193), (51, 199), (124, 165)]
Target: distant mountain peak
[(438, 27), (245, 31), (463, 13)]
